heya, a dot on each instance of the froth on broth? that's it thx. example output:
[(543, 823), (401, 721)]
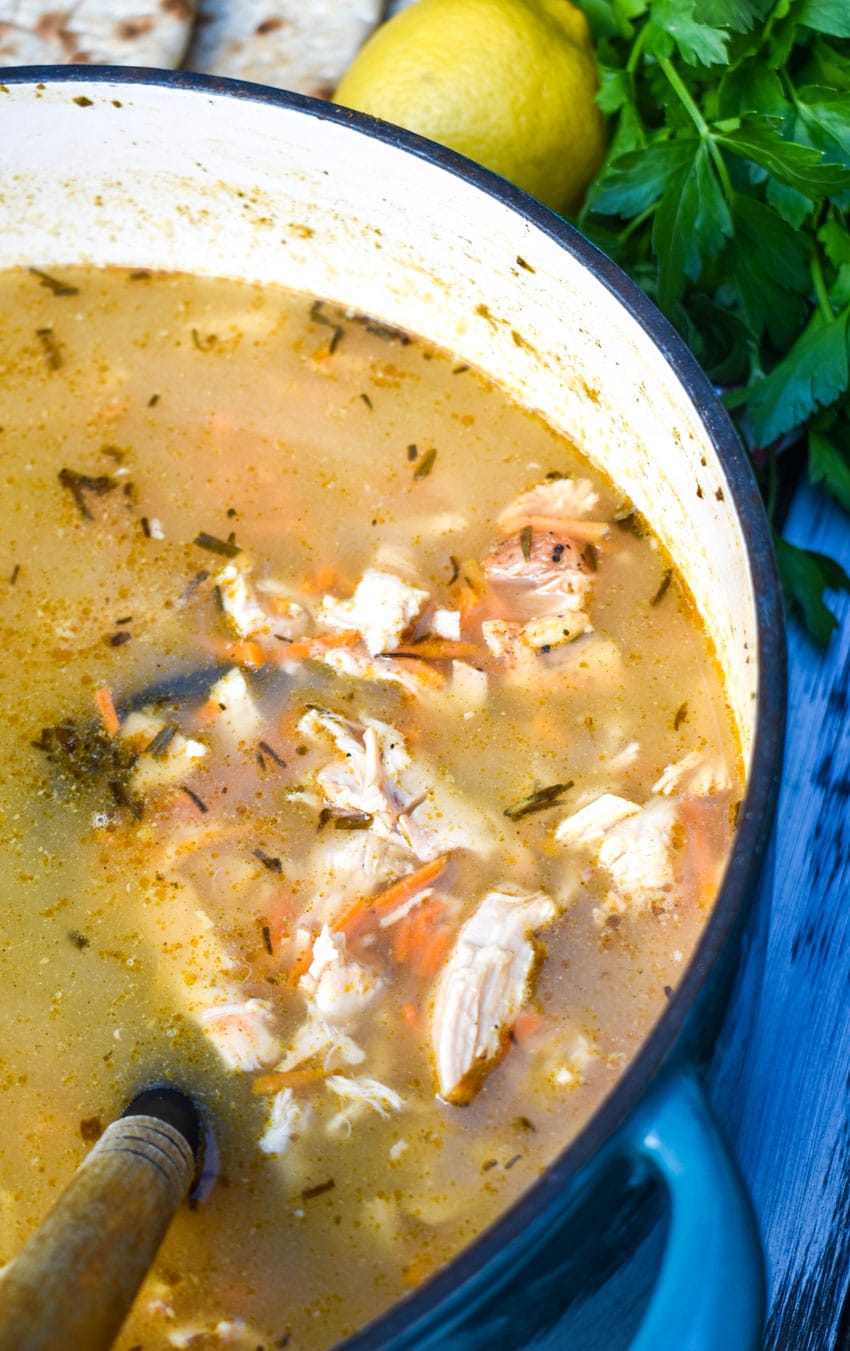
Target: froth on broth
[(366, 772)]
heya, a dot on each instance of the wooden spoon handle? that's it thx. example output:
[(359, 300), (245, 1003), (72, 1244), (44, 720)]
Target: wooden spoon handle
[(73, 1284)]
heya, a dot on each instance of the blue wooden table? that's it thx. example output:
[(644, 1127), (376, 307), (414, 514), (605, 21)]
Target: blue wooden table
[(780, 1079)]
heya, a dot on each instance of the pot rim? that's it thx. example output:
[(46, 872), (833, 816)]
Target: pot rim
[(758, 806)]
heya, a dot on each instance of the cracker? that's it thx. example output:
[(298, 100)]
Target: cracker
[(305, 45), (95, 32)]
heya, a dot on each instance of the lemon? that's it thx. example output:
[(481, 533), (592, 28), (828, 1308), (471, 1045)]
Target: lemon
[(510, 83)]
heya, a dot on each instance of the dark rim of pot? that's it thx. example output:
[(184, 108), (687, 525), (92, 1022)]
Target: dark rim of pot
[(760, 799)]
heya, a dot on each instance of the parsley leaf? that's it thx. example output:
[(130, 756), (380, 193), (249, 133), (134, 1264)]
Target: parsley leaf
[(805, 575), (813, 373), (725, 195)]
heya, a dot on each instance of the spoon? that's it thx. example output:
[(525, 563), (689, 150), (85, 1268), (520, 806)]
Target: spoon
[(74, 1282)]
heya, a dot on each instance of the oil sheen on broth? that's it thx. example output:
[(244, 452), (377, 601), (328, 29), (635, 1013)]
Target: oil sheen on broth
[(366, 772)]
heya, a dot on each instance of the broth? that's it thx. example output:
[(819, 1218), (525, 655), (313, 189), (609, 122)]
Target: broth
[(299, 681)]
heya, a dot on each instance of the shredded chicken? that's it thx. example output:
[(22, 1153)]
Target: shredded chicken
[(288, 1118), (258, 609), (382, 607), (339, 987), (483, 986), (242, 1034)]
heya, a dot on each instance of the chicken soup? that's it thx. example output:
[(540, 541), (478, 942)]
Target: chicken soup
[(367, 773)]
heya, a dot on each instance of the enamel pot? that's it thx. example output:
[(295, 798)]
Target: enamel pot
[(160, 170)]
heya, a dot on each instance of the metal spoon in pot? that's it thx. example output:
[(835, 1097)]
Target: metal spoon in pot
[(74, 1282)]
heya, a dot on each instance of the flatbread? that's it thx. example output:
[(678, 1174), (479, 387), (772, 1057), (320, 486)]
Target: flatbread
[(305, 45), (95, 32)]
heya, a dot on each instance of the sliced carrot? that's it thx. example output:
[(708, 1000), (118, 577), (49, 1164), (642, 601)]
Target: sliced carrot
[(326, 579), (369, 908), (240, 652), (266, 1085), (526, 1025), (436, 649), (430, 955), (301, 964), (316, 647), (106, 708)]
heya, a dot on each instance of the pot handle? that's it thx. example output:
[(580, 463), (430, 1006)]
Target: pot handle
[(710, 1291)]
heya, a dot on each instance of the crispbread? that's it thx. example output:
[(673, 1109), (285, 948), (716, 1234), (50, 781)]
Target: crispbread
[(96, 32), (289, 44)]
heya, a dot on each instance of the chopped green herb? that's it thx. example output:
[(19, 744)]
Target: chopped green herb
[(80, 484), (367, 401), (274, 865), (204, 344), (227, 548), (163, 739), (590, 557), (426, 464), (345, 819), (272, 754), (412, 452), (59, 288), (119, 639), (663, 588), (15, 574), (153, 401), (52, 353), (193, 797), (538, 801), (310, 1193), (267, 939), (455, 562), (385, 331), (681, 716), (79, 940), (525, 536)]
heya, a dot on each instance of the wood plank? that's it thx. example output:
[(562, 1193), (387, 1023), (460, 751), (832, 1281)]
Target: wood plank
[(780, 1077)]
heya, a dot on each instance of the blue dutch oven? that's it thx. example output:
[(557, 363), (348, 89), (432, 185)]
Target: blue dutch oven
[(163, 170)]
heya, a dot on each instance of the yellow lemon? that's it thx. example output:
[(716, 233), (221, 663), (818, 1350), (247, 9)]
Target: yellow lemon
[(510, 83)]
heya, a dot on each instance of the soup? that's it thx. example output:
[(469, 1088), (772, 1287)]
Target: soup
[(367, 773)]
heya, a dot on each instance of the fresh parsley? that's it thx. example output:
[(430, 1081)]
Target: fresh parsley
[(724, 195)]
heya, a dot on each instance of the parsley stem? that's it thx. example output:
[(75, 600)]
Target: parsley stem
[(637, 49), (700, 123), (824, 303)]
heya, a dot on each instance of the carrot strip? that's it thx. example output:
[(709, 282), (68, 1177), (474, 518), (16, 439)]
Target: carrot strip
[(431, 953), (326, 579), (106, 708), (526, 1025), (244, 652), (436, 649), (325, 642), (368, 908), (266, 1085)]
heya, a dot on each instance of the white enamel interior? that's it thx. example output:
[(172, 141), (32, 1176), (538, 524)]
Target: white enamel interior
[(164, 177)]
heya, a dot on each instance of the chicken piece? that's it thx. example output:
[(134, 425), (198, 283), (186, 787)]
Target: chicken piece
[(339, 987), (258, 610), (483, 986), (412, 808), (588, 827), (567, 500), (696, 774), (242, 1034), (318, 1039), (381, 609), (288, 1119), (240, 718), (638, 847), (163, 757)]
